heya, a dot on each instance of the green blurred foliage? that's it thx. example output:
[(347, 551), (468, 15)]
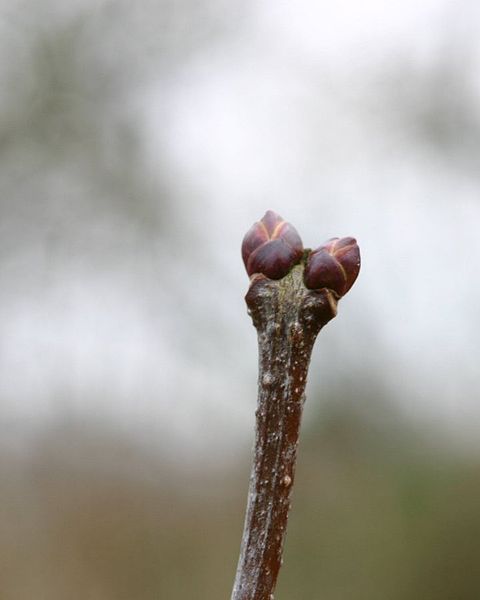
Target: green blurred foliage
[(380, 512)]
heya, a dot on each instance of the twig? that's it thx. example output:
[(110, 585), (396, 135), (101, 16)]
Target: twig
[(288, 317)]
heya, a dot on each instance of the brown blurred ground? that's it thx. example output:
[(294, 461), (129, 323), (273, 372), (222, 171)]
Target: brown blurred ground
[(378, 513)]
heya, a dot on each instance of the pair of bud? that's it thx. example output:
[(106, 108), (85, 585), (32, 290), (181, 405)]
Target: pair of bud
[(273, 247)]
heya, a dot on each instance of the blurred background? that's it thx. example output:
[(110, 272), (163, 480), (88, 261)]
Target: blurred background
[(138, 143)]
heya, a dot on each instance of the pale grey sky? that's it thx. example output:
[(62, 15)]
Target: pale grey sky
[(299, 109)]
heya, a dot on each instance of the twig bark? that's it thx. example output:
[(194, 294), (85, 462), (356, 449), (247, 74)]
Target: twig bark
[(288, 317)]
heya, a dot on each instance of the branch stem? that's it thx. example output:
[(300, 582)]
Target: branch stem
[(287, 317)]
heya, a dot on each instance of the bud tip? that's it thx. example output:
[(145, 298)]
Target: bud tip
[(271, 247), (334, 265)]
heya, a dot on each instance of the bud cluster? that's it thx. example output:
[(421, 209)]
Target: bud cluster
[(273, 247)]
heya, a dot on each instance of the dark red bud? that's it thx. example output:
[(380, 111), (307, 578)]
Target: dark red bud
[(335, 266), (271, 247)]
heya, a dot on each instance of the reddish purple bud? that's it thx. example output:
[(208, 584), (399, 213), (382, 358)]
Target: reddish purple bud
[(335, 266), (271, 247)]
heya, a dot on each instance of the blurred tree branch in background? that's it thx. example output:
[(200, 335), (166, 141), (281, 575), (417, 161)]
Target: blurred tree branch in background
[(73, 162)]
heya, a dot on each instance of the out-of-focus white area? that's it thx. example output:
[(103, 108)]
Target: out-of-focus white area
[(138, 143)]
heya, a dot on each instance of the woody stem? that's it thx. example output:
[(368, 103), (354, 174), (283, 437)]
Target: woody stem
[(287, 317)]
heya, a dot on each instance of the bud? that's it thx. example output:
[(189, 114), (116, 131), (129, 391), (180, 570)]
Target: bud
[(335, 266), (271, 247)]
